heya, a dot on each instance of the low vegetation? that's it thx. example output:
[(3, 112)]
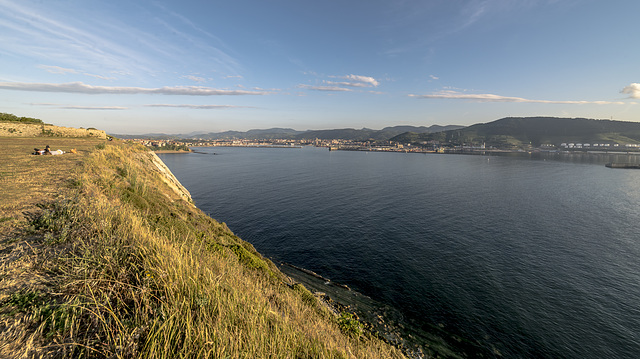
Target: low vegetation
[(171, 147), (114, 263), (7, 117)]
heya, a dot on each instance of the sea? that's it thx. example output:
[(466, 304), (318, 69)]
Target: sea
[(530, 255)]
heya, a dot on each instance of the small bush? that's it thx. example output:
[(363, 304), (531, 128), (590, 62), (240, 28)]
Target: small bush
[(349, 324)]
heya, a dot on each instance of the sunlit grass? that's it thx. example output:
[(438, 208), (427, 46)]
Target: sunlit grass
[(130, 269)]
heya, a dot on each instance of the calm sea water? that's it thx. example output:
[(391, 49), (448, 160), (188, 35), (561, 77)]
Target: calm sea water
[(527, 257)]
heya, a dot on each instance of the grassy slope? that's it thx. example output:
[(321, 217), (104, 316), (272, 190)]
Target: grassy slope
[(117, 265)]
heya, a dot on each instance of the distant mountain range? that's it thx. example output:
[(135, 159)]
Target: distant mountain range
[(367, 134), (510, 132), (288, 133), (522, 131)]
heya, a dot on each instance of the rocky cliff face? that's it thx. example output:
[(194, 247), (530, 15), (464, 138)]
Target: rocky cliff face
[(14, 129), (168, 177)]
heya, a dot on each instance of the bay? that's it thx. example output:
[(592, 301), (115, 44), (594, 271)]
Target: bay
[(521, 256)]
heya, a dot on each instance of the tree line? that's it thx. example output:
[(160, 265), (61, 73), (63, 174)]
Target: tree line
[(8, 117)]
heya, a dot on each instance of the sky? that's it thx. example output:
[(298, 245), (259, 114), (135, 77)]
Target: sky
[(132, 67)]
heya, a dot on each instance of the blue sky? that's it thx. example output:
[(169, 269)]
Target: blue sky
[(182, 66)]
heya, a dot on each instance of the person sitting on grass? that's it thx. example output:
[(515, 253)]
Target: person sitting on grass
[(47, 151)]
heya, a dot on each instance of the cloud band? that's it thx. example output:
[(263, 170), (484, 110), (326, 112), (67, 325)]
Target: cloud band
[(82, 88), (454, 95), (198, 107)]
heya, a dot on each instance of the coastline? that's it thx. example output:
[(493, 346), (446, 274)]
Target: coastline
[(384, 320), (172, 151)]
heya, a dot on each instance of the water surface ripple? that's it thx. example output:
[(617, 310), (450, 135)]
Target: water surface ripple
[(531, 258)]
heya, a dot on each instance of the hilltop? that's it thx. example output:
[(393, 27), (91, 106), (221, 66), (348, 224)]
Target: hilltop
[(366, 134), (514, 132), (104, 254), (14, 126)]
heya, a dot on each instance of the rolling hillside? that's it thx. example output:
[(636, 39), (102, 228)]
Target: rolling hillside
[(534, 131)]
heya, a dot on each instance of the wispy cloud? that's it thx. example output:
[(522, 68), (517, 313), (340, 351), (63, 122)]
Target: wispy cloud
[(358, 81), (64, 71), (162, 105), (324, 88), (79, 87), (633, 90), (198, 107), (454, 95), (69, 107), (57, 70), (99, 76), (194, 78), (473, 12), (212, 47), (100, 108), (349, 84), (34, 31), (424, 26), (99, 38)]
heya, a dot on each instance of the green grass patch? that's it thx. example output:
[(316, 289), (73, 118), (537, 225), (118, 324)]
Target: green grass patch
[(22, 301), (249, 259), (349, 324)]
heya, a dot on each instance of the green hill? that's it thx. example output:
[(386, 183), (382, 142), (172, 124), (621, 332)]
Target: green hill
[(368, 134), (523, 131)]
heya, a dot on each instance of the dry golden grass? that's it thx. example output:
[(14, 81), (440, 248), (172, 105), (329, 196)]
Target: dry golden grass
[(26, 180), (119, 265)]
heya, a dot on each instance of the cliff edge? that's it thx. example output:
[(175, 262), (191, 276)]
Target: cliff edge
[(167, 176)]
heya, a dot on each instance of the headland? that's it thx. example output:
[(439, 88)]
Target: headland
[(104, 254)]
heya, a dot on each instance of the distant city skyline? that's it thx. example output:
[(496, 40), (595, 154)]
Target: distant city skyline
[(212, 66)]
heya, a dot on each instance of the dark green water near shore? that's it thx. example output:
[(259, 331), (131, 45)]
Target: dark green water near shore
[(507, 256)]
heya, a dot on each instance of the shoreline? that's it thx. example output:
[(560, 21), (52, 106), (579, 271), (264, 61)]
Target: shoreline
[(384, 320), (171, 151)]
